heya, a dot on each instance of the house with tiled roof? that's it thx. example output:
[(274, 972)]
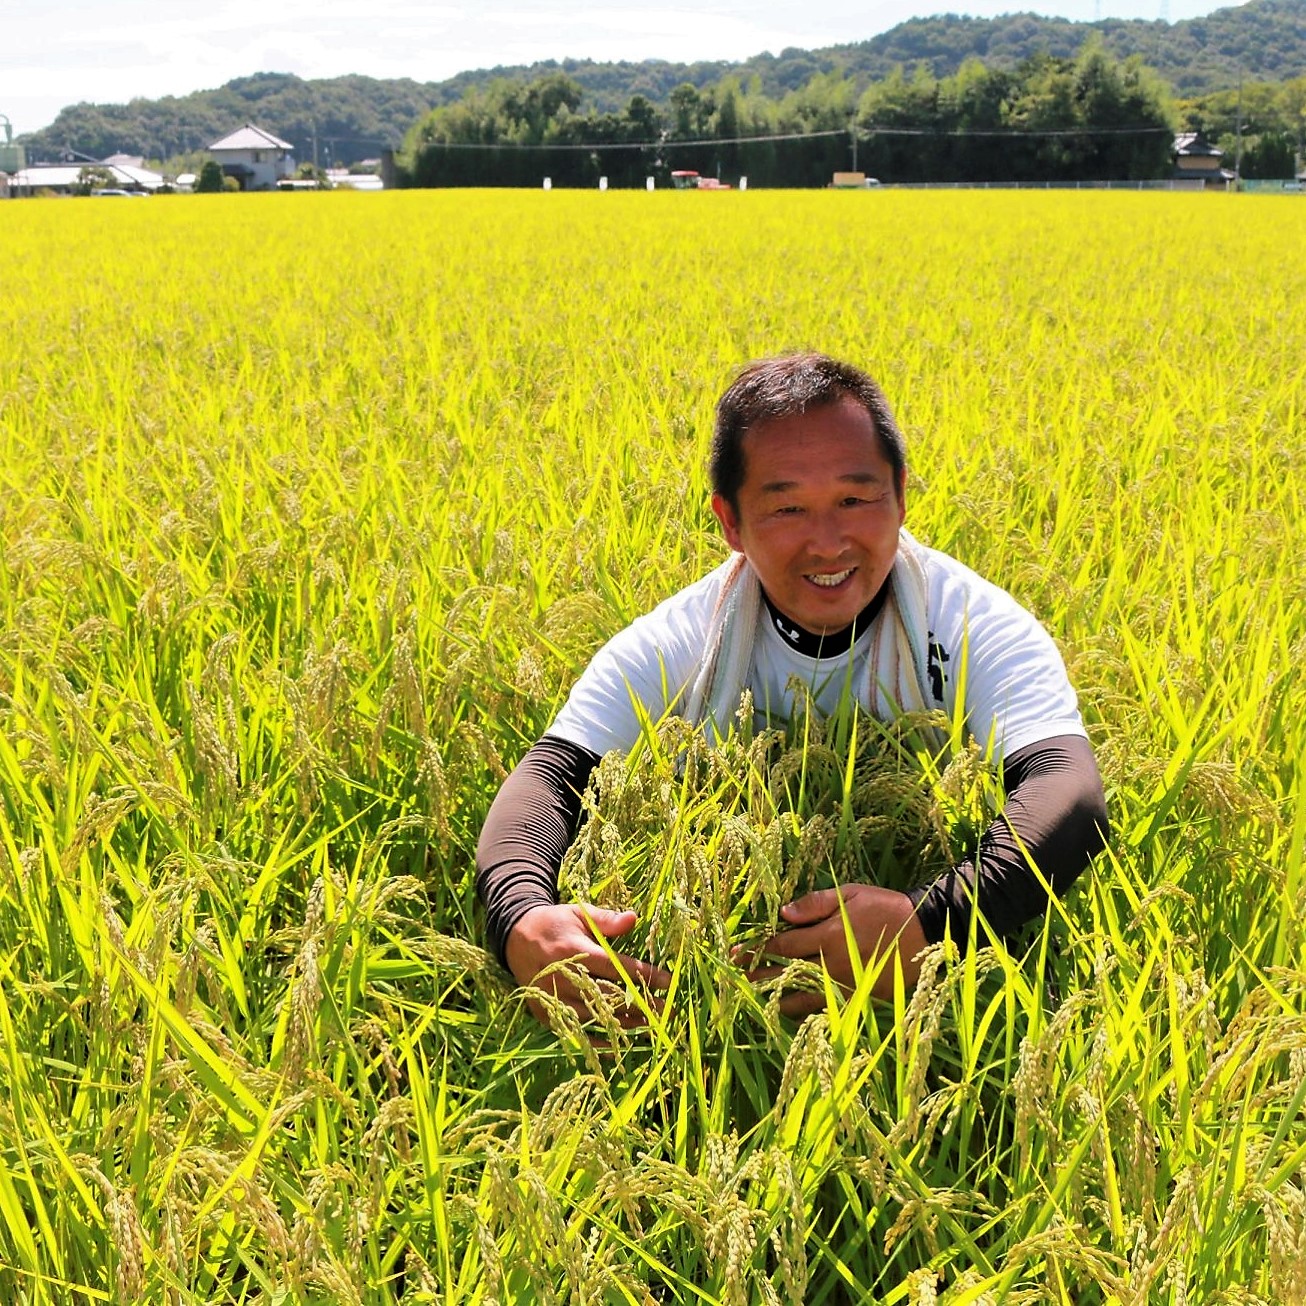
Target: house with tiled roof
[(1197, 163), (254, 157)]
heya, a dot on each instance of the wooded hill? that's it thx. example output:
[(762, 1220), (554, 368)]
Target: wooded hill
[(1264, 40), (350, 118)]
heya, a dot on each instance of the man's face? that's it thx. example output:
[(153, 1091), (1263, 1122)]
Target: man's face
[(819, 512)]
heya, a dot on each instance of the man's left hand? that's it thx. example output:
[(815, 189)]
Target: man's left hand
[(880, 921)]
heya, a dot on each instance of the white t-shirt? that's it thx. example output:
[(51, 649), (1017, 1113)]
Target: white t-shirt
[(1015, 684)]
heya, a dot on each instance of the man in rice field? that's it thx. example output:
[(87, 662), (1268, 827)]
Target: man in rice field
[(824, 585)]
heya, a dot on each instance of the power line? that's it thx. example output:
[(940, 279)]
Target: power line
[(1017, 133), (862, 133), (636, 145)]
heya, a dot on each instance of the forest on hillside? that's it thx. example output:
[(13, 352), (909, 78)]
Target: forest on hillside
[(346, 118)]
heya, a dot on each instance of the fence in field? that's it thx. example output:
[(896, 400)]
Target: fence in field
[(1259, 187)]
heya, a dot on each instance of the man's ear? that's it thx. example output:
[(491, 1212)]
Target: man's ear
[(729, 520)]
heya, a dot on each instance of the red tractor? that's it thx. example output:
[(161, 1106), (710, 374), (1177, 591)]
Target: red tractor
[(688, 179)]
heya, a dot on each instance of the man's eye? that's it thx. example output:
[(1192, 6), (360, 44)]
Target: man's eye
[(788, 510)]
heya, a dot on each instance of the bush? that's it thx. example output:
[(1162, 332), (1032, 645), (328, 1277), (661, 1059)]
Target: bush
[(210, 180)]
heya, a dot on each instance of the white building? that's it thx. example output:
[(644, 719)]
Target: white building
[(257, 159), (68, 179), (343, 179)]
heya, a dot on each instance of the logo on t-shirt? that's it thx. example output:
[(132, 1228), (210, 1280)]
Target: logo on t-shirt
[(938, 655), (791, 633)]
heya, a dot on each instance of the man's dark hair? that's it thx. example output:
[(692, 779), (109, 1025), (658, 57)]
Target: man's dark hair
[(784, 387)]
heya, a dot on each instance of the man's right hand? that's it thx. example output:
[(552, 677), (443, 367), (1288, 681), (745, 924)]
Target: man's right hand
[(549, 934)]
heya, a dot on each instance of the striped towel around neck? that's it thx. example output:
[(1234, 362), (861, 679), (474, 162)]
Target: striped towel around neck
[(893, 676)]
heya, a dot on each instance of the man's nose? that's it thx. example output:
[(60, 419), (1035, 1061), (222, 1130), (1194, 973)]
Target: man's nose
[(827, 538)]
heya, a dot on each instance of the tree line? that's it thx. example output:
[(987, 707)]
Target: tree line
[(1092, 117)]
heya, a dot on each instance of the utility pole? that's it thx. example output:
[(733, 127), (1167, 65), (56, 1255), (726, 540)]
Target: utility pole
[(1238, 152), (1162, 26), (852, 132)]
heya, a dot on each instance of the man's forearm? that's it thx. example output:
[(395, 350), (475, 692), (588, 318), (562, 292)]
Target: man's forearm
[(530, 826), (1055, 817)]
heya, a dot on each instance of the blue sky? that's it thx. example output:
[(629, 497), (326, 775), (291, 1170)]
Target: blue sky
[(57, 52)]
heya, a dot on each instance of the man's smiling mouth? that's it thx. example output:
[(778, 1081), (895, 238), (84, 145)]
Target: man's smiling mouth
[(830, 580)]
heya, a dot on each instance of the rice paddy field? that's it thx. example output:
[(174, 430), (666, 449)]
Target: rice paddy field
[(312, 506)]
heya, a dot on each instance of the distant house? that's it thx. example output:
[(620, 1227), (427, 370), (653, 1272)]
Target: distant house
[(68, 179), (255, 158), (1197, 163)]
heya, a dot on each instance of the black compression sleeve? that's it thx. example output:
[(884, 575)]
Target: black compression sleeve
[(1055, 816), (530, 826)]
